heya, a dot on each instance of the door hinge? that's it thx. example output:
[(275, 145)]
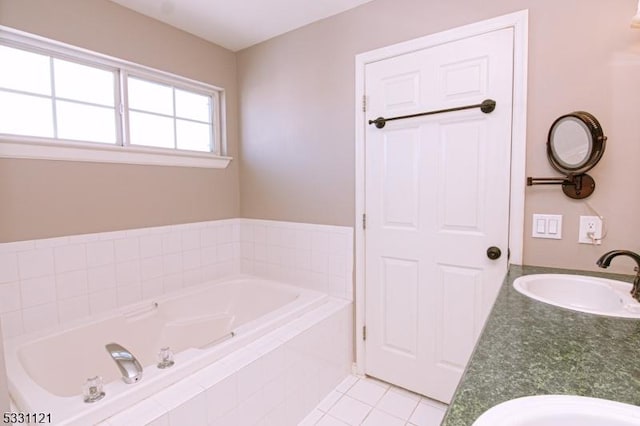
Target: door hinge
[(364, 221), (364, 103), (364, 332)]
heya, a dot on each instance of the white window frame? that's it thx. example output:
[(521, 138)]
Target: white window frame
[(16, 146)]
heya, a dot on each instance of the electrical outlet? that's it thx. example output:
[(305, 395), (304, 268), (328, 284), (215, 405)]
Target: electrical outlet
[(590, 231)]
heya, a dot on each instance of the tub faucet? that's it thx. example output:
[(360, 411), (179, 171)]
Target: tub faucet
[(127, 363), (605, 261)]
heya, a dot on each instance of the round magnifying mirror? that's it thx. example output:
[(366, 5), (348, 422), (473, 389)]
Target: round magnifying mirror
[(571, 142), (576, 143)]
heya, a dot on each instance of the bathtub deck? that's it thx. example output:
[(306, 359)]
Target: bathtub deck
[(276, 380)]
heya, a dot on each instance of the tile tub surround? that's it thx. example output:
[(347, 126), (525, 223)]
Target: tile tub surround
[(532, 348), (277, 380), (319, 257), (58, 281)]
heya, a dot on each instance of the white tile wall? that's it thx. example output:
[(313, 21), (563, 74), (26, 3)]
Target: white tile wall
[(318, 257), (45, 283), (48, 282)]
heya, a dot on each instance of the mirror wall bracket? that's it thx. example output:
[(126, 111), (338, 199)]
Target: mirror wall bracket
[(573, 186)]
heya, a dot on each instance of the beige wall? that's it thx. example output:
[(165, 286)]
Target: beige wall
[(41, 199), (297, 108), (297, 100)]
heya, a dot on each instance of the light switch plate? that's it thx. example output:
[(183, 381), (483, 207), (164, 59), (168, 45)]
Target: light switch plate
[(547, 226)]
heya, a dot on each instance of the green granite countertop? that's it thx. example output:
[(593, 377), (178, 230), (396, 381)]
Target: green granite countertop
[(532, 348)]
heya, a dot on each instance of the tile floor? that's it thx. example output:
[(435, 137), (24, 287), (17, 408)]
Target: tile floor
[(370, 402)]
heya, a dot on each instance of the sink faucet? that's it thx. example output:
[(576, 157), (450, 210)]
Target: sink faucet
[(605, 261), (127, 363)]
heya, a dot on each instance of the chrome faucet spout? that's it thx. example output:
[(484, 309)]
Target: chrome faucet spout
[(127, 363), (605, 261)]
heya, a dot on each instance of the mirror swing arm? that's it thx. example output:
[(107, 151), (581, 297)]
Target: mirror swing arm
[(577, 134), (574, 186)]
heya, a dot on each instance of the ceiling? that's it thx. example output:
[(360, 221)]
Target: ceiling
[(238, 24)]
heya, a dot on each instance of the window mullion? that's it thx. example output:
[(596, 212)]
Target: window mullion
[(175, 121), (54, 111), (23, 92), (214, 125), (217, 123), (118, 107), (123, 108)]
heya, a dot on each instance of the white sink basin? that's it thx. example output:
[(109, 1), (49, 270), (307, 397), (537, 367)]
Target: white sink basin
[(582, 293), (560, 410)]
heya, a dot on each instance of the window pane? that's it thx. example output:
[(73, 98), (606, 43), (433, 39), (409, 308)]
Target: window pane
[(85, 122), (193, 136), (24, 71), (193, 106), (151, 130), (25, 115), (83, 83), (151, 97)]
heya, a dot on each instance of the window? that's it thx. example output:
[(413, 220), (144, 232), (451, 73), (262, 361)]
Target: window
[(53, 98), (68, 103), (168, 117)]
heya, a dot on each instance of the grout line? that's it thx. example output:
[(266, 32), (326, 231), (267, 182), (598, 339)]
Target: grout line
[(413, 411), (390, 388)]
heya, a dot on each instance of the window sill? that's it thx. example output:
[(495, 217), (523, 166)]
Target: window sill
[(69, 151)]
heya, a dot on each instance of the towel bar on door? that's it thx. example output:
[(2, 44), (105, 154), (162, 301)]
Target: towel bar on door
[(487, 106)]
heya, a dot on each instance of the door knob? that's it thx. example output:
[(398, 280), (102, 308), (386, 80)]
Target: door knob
[(494, 253)]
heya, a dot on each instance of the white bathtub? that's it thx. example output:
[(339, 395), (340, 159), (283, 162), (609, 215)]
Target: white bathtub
[(201, 325)]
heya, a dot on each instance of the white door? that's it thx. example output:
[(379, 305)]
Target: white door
[(437, 197)]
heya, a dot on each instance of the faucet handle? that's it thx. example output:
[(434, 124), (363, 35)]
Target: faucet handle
[(92, 390), (165, 358)]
